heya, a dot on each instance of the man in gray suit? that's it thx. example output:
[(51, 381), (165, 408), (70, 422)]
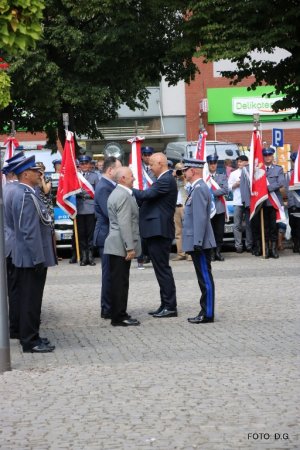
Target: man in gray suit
[(198, 237), (33, 254), (122, 244)]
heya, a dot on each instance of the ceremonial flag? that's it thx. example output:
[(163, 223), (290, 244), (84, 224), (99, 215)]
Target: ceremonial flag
[(69, 183), (86, 185), (257, 175), (142, 180), (280, 214), (11, 144), (294, 185), (200, 152)]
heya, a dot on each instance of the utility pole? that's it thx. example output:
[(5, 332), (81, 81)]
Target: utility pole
[(4, 327)]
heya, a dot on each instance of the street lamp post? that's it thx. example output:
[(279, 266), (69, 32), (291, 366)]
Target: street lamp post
[(4, 328)]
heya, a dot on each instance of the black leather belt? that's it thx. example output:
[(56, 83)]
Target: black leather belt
[(85, 197), (177, 206)]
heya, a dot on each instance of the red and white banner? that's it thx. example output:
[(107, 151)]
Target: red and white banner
[(213, 186), (280, 214), (257, 174), (86, 185), (142, 180), (11, 144), (294, 185), (68, 184), (200, 152)]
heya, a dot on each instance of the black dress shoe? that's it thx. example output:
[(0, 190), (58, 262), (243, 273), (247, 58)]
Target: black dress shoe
[(105, 316), (45, 341), (156, 311), (42, 348), (126, 323), (239, 250), (165, 313), (146, 260), (200, 319)]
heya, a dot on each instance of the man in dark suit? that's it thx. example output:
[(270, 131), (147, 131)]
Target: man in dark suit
[(157, 227), (198, 237), (86, 213), (33, 254), (122, 244), (103, 190)]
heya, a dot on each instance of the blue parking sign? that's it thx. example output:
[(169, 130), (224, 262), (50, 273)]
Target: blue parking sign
[(277, 137)]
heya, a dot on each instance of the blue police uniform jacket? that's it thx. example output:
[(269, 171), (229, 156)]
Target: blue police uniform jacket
[(275, 178), (158, 207), (292, 200), (84, 202), (221, 179), (9, 190), (103, 190), (197, 229), (34, 242)]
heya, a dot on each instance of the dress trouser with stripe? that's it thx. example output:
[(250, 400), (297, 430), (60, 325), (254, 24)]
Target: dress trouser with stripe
[(202, 263)]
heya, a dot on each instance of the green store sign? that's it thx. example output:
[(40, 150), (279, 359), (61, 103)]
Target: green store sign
[(239, 105)]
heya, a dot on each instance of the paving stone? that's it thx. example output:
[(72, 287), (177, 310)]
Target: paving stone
[(166, 384)]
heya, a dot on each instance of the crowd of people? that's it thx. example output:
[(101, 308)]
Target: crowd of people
[(124, 223)]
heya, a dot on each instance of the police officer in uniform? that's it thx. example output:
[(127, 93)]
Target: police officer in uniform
[(86, 214), (198, 237), (13, 282), (33, 254), (146, 153), (56, 164), (293, 208), (218, 221), (275, 179)]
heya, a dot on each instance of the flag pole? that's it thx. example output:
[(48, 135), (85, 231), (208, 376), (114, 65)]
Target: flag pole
[(263, 242), (76, 240)]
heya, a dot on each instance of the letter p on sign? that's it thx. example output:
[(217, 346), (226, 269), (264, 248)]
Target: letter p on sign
[(277, 137)]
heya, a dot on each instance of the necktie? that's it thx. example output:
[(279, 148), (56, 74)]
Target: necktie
[(268, 169)]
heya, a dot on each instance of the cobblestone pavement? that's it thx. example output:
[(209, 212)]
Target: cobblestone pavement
[(167, 384)]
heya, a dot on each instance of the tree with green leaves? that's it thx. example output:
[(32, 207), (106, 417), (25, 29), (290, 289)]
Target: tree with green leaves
[(19, 24), (93, 57), (19, 29), (226, 29)]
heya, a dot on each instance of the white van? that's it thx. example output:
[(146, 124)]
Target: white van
[(175, 151)]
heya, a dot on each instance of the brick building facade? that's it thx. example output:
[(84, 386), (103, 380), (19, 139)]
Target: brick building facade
[(197, 90)]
